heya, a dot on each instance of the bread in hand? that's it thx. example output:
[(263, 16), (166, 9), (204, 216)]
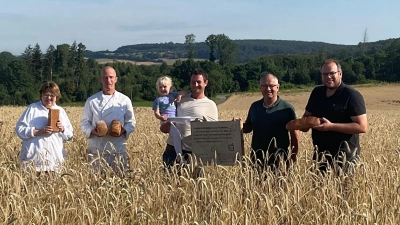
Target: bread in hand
[(303, 123), (115, 128), (101, 128)]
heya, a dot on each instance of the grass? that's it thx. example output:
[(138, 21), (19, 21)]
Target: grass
[(143, 104)]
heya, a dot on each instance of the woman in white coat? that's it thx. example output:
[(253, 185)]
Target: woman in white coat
[(42, 147)]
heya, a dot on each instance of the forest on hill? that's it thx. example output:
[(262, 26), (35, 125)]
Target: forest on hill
[(246, 49), (78, 76)]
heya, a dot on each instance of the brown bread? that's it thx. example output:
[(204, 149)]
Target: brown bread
[(115, 128), (303, 123), (101, 128)]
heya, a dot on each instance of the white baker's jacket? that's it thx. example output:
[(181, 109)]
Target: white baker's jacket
[(118, 107), (45, 152)]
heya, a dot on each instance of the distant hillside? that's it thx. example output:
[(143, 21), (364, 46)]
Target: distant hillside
[(248, 50)]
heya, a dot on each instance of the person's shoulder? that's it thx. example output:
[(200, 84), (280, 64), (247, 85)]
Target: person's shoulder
[(209, 101), (186, 98), (34, 105), (351, 92), (350, 89), (257, 103), (285, 103), (95, 95), (122, 96), (319, 88)]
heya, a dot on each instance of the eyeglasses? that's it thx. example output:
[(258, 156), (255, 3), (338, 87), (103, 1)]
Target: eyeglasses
[(49, 95), (332, 73), (270, 86)]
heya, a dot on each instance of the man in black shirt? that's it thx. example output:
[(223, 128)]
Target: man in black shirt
[(342, 112)]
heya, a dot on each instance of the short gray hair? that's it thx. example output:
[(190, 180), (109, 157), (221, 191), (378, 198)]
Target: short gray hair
[(265, 76), (103, 71)]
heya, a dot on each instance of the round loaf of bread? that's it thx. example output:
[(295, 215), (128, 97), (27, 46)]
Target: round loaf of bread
[(303, 123), (115, 128), (101, 128)]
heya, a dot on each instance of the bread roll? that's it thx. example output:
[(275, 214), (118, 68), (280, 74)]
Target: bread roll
[(101, 127), (303, 123), (115, 128)]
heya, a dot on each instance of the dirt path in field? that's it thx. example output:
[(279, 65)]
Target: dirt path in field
[(384, 97), (221, 99)]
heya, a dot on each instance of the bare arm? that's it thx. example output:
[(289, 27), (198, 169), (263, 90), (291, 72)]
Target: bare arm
[(359, 125), (158, 115), (180, 95), (294, 143)]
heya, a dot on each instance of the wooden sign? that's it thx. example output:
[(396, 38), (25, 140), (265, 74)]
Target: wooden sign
[(218, 142), (54, 116)]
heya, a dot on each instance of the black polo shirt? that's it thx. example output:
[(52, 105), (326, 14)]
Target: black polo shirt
[(270, 122), (346, 102)]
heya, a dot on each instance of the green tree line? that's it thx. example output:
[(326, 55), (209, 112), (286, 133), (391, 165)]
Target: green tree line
[(78, 77), (246, 49)]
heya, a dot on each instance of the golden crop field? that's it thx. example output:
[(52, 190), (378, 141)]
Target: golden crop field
[(224, 195)]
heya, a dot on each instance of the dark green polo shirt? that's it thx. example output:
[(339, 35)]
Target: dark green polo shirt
[(270, 122)]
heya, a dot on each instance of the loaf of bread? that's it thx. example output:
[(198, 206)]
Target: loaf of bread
[(54, 117), (101, 128), (303, 123), (115, 128)]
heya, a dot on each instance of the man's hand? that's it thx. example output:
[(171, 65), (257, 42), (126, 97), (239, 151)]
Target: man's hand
[(165, 127), (123, 131), (178, 98), (324, 126), (94, 132), (236, 119)]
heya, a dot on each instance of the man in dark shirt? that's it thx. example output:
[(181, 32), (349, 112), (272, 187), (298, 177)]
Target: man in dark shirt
[(342, 112), (267, 118)]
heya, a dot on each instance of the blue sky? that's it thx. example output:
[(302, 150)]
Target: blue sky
[(101, 24)]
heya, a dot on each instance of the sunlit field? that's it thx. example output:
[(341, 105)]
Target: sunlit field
[(224, 195)]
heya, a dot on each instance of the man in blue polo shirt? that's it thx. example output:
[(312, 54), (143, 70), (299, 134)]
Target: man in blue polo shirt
[(342, 112), (267, 118)]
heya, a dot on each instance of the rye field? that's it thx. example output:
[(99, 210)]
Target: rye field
[(224, 195)]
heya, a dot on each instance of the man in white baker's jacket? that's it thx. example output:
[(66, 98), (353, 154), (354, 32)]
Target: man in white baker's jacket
[(108, 105)]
